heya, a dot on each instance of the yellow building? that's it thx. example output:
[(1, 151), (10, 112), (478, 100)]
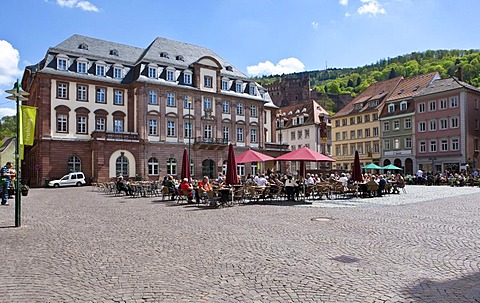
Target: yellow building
[(357, 127)]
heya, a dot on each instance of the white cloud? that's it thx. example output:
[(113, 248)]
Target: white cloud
[(347, 14), (4, 111), (371, 7), (83, 5), (9, 58), (315, 25), (284, 66), (343, 2)]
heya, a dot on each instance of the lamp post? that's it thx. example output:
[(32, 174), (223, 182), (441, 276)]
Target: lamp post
[(189, 102), (18, 95), (280, 120)]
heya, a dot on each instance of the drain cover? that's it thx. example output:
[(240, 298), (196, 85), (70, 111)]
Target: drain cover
[(345, 259), (322, 219)]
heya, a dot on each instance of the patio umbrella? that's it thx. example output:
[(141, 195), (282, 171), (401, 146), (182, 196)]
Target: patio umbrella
[(252, 156), (185, 173), (391, 167), (371, 166), (357, 169), (231, 177)]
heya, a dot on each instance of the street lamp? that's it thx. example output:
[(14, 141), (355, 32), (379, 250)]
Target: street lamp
[(280, 121), (18, 95)]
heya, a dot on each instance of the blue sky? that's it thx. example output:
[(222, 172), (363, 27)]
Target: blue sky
[(257, 36)]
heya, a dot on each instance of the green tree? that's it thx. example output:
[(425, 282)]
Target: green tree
[(8, 127)]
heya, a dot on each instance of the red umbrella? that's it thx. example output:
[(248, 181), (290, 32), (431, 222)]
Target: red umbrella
[(252, 156), (231, 177), (304, 154), (185, 173), (357, 168)]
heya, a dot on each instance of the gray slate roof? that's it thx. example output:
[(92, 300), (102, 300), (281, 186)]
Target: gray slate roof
[(443, 85)]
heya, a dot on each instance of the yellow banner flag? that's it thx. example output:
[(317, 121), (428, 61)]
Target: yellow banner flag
[(28, 117)]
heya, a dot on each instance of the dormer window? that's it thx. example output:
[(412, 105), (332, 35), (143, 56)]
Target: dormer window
[(400, 91), (225, 84), (114, 52), (164, 55), (208, 81), (82, 66), (180, 58), (152, 72), (187, 77), (358, 106), (251, 89), (403, 105), (118, 72), (391, 108), (170, 76), (238, 87), (416, 88), (373, 103), (100, 69), (83, 46), (62, 62), (229, 68)]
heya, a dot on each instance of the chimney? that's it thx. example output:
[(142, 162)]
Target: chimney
[(459, 74)]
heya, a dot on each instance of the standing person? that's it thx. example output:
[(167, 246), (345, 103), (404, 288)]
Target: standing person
[(5, 177)]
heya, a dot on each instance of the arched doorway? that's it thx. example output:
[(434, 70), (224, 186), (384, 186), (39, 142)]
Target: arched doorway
[(208, 168), (408, 166), (397, 162), (386, 162)]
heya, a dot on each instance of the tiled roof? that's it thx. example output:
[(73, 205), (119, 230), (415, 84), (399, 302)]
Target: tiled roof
[(410, 87), (376, 91), (443, 85), (310, 107)]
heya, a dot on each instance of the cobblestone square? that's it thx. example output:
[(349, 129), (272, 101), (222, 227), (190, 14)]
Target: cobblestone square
[(77, 245)]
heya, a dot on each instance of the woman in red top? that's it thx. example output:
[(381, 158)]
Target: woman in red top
[(186, 189)]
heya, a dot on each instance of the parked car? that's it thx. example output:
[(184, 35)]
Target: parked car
[(72, 179)]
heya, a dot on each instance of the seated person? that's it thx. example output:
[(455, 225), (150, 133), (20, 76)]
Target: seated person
[(170, 184), (122, 185), (290, 186), (381, 185), (261, 181), (186, 189), (205, 189)]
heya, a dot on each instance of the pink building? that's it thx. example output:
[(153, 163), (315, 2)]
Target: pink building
[(447, 128)]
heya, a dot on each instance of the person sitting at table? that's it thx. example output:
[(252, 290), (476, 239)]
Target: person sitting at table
[(205, 189), (343, 179), (186, 189), (290, 185), (381, 185), (122, 185), (261, 181), (170, 184)]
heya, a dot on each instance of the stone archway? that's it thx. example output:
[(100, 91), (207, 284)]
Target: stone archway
[(397, 162), (408, 169), (386, 162), (208, 168)]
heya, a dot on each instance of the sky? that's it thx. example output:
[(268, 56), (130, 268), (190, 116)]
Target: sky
[(259, 37)]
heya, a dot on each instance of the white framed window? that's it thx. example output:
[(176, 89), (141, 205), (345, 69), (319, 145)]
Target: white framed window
[(408, 142), (81, 67), (253, 111), (455, 144), (421, 107), (62, 123), (352, 134), (367, 132), (403, 105), (366, 118), (118, 125), (81, 124), (375, 116), (444, 145), (172, 166), (226, 133), (62, 90), (359, 119), (433, 146), (118, 97), (152, 72), (171, 99), (170, 128), (100, 124), (408, 123), (187, 102), (238, 87), (153, 167), (432, 106), (187, 78), (241, 169), (152, 127), (422, 126), (453, 102), (240, 109), (453, 122), (376, 147), (170, 75), (224, 84), (432, 125), (386, 144), (422, 147), (359, 133), (396, 124), (443, 123), (207, 131), (253, 135), (82, 92), (375, 131), (117, 72), (62, 63), (396, 143), (208, 81), (100, 95), (443, 103), (225, 107), (188, 130), (207, 103), (100, 70), (292, 135), (386, 126), (239, 134), (152, 97), (251, 89), (391, 108)]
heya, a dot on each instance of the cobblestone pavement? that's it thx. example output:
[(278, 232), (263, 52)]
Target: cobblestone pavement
[(76, 245)]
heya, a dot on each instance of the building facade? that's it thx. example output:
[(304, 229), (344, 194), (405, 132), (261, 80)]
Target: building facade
[(109, 109)]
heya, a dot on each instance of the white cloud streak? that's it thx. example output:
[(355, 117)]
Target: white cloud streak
[(284, 66), (343, 2), (4, 111), (9, 58), (315, 24), (371, 7), (83, 5)]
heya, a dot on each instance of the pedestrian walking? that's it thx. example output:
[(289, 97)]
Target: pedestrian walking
[(5, 178)]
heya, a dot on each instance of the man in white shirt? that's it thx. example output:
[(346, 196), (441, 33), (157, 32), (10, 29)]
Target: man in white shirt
[(309, 180), (261, 181)]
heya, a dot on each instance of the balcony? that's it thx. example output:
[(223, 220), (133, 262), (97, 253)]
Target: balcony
[(201, 143), (113, 136)]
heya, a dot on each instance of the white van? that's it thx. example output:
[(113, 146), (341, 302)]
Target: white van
[(72, 179)]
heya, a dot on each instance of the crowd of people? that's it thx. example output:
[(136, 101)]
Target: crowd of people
[(447, 177)]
